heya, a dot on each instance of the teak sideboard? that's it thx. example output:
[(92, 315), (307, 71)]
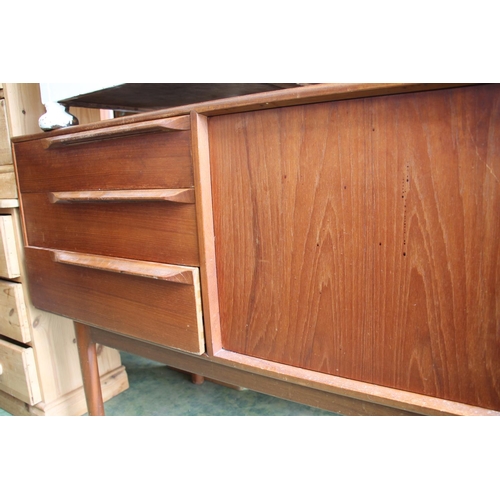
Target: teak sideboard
[(335, 245)]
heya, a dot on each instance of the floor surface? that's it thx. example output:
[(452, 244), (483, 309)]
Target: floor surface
[(156, 390)]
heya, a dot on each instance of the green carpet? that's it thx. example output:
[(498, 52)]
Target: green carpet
[(156, 390)]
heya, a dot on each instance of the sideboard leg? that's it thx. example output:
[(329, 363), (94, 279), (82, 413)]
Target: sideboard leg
[(90, 370), (197, 379)]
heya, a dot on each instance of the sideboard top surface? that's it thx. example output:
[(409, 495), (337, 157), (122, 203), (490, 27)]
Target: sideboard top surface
[(264, 100)]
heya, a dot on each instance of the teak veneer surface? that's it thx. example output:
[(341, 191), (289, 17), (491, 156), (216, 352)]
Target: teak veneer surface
[(356, 235), (361, 239), (159, 231), (144, 161), (155, 310)]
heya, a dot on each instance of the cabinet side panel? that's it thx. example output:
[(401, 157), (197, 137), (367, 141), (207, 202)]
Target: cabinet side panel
[(361, 239), (5, 151)]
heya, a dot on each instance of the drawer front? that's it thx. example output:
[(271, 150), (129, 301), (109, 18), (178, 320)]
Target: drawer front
[(147, 160), (18, 376), (159, 231), (14, 321), (138, 299), (8, 188), (9, 263)]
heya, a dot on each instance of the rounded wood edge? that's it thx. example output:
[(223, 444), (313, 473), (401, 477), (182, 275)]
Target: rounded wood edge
[(276, 98), (206, 238), (181, 195), (185, 275), (395, 398)]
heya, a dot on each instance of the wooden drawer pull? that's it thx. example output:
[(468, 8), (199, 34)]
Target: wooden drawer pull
[(175, 124), (166, 272), (172, 195)]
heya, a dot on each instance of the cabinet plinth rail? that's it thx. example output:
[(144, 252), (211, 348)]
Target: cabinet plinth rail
[(175, 124), (154, 270), (173, 195)]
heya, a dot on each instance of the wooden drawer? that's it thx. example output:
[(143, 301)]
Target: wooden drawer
[(8, 188), (18, 376), (9, 263), (150, 301), (14, 321), (147, 155), (5, 149), (129, 227)]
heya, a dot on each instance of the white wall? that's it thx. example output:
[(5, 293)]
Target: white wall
[(53, 92)]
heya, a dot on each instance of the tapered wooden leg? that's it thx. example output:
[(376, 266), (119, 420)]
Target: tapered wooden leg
[(90, 370), (197, 379)]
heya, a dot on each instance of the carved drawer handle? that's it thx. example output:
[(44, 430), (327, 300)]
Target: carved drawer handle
[(172, 195), (175, 124), (166, 272)]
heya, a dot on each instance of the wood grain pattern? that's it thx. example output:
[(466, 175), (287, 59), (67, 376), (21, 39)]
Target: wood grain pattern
[(154, 310), (18, 372), (24, 108), (150, 230), (145, 161), (361, 239), (9, 262), (14, 321)]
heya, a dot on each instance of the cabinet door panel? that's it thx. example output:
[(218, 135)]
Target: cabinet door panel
[(360, 238)]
